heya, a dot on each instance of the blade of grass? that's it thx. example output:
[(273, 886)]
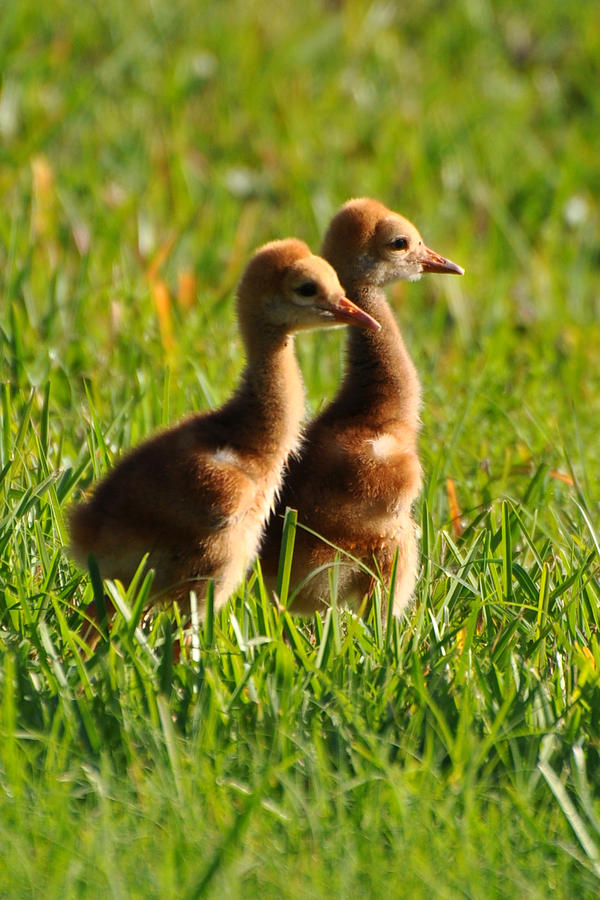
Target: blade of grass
[(286, 553)]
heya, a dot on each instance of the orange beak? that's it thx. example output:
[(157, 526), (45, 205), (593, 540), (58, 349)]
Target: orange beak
[(347, 311), (433, 262)]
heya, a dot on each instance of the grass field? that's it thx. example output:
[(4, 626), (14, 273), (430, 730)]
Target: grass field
[(145, 149)]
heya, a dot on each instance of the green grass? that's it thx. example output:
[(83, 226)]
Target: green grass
[(454, 753)]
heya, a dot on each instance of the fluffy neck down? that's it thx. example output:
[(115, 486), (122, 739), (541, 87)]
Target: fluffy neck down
[(380, 379)]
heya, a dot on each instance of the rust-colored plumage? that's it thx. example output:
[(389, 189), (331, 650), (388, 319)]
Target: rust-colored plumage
[(359, 472), (196, 496)]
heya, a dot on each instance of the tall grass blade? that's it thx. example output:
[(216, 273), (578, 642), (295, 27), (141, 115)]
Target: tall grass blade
[(507, 574), (574, 819), (209, 616), (99, 598), (286, 554)]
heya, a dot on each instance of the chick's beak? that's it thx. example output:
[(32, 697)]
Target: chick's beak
[(347, 311), (433, 262)]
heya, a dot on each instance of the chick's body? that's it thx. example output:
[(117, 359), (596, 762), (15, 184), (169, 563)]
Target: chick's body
[(359, 472), (193, 502), (196, 497)]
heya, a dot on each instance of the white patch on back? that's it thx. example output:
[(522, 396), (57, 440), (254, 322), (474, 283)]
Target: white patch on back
[(384, 445), (226, 455)]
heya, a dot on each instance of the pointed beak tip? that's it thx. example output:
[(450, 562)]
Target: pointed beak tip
[(351, 314), (364, 320), (433, 262)]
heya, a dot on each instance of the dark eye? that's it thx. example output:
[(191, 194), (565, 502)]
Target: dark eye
[(399, 243), (308, 289)]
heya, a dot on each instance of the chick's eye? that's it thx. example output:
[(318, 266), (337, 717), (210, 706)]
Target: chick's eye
[(307, 289), (399, 243)]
